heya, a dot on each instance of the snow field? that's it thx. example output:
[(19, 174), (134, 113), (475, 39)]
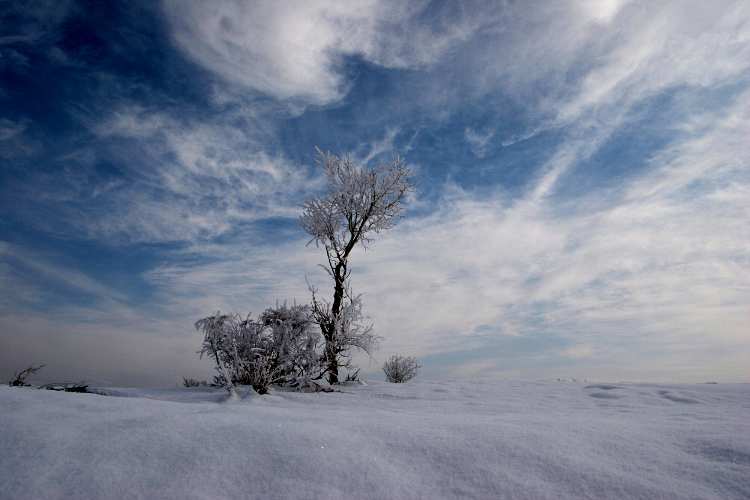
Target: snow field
[(423, 439)]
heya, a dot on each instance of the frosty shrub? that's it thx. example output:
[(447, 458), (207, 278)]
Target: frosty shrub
[(19, 378), (277, 348), (220, 339), (400, 369), (294, 341)]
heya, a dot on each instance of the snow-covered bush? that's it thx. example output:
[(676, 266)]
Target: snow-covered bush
[(220, 332), (240, 350), (294, 341), (277, 348), (400, 369)]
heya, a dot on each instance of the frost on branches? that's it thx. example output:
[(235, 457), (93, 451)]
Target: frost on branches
[(349, 330), (360, 202)]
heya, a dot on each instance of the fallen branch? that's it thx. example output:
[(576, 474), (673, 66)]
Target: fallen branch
[(66, 387), (19, 379)]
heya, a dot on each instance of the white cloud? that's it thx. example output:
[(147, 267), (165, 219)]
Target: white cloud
[(294, 50), (383, 146), (602, 11), (562, 63), (665, 47)]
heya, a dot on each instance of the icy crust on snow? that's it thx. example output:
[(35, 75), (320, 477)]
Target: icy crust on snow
[(418, 440)]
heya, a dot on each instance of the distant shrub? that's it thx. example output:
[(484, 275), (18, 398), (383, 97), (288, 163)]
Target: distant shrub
[(19, 378), (193, 382), (399, 369)]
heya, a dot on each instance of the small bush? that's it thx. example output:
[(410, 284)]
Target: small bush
[(399, 369), (193, 382), (19, 379)]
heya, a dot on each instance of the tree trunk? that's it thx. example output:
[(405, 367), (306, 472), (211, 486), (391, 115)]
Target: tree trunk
[(338, 297), (333, 370), (338, 289)]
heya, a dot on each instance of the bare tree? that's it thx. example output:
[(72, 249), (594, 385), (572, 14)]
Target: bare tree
[(360, 202)]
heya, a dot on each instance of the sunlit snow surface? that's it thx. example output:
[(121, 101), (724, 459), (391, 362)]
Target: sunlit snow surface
[(423, 439)]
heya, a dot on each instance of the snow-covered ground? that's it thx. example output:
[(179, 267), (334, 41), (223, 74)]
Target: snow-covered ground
[(423, 439)]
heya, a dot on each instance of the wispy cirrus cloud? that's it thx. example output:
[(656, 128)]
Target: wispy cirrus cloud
[(23, 259), (177, 179), (211, 175), (14, 140)]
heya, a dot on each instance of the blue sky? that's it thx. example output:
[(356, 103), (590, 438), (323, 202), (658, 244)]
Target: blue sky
[(582, 174)]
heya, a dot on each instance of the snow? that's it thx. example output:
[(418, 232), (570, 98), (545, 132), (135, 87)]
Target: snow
[(423, 439)]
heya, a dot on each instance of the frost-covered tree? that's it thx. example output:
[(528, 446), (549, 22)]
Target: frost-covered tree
[(359, 203)]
